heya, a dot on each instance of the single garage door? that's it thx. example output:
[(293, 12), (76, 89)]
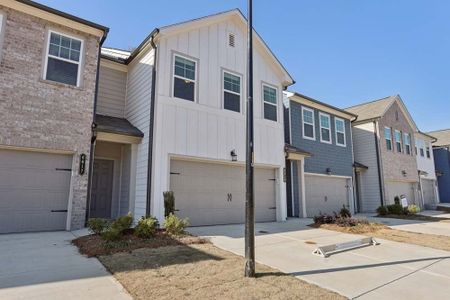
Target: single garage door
[(34, 191), (325, 194), (211, 194), (428, 190), (397, 188)]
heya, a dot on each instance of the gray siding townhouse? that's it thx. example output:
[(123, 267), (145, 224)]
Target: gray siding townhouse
[(383, 139), (48, 68), (441, 151), (319, 157)]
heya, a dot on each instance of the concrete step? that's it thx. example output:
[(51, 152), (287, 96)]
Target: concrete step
[(443, 207)]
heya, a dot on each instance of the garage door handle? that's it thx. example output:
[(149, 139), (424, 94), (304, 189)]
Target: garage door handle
[(62, 169), (272, 207), (59, 210)]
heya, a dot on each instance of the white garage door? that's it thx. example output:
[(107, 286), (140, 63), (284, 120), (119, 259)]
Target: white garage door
[(34, 191), (428, 190), (325, 194), (210, 194), (396, 188)]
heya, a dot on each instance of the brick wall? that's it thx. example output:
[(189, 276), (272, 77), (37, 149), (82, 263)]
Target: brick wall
[(44, 115)]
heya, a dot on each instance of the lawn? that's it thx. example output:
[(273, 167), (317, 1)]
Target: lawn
[(187, 267)]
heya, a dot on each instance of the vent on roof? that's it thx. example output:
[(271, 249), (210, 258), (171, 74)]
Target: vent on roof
[(231, 39)]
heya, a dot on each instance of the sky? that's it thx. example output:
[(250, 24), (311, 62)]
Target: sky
[(342, 52)]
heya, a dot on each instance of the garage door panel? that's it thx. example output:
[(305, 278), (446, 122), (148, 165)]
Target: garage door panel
[(397, 188), (325, 194), (428, 190), (30, 188)]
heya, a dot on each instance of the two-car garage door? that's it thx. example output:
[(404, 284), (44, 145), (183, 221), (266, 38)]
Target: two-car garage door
[(34, 191), (211, 193)]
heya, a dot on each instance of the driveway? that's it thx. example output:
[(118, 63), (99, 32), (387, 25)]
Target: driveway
[(47, 266), (390, 270)]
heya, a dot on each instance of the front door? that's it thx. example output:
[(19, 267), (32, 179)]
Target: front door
[(101, 195)]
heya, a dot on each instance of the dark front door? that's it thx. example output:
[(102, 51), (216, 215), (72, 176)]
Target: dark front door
[(102, 182)]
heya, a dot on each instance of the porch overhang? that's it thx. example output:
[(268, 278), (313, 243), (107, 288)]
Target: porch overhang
[(118, 130), (359, 166), (294, 153)]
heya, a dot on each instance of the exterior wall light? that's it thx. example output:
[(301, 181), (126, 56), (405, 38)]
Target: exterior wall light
[(328, 171), (404, 173), (233, 155)]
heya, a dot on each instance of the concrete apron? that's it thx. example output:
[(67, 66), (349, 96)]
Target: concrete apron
[(46, 266), (390, 270)]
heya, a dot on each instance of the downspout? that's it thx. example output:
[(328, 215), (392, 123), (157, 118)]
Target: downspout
[(94, 135), (377, 147), (151, 126)]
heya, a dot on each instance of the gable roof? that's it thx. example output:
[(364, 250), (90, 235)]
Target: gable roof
[(442, 136), (373, 110), (258, 41)]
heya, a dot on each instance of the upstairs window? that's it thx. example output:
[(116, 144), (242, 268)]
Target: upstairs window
[(388, 138), (325, 128), (184, 78), (270, 103), (231, 92), (407, 142), (421, 148), (427, 147), (340, 132), (308, 124), (398, 141), (63, 59)]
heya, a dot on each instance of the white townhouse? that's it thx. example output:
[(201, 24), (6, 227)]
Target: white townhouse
[(179, 99)]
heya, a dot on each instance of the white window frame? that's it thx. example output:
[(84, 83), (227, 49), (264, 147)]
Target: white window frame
[(401, 141), (409, 143), (180, 77), (427, 150), (224, 90), (47, 55), (336, 119), (313, 124), (390, 138), (321, 114), (2, 31), (264, 101)]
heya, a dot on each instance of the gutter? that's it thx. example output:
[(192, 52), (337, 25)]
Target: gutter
[(377, 148), (151, 124), (94, 135)]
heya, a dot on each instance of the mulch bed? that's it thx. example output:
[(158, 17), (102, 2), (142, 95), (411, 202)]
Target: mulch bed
[(95, 245), (416, 217)]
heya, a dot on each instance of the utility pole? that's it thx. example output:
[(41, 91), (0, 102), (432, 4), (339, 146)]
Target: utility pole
[(249, 186)]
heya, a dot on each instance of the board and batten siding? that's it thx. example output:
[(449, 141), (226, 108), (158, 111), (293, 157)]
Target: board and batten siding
[(137, 112), (364, 149), (203, 129), (112, 86)]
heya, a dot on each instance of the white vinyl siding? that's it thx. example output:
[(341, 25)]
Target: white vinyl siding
[(325, 128), (308, 124), (388, 138), (111, 92), (341, 138)]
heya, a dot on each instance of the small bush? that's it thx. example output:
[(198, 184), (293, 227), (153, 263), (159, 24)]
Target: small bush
[(169, 203), (112, 234), (175, 225), (382, 210), (345, 212), (146, 227), (97, 225), (395, 209), (413, 209), (118, 227), (351, 222), (324, 219)]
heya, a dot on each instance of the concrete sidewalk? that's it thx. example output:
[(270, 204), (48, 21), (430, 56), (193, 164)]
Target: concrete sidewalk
[(46, 266), (390, 270)]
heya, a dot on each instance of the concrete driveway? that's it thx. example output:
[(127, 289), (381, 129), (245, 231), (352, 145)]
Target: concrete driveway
[(390, 270), (47, 266)]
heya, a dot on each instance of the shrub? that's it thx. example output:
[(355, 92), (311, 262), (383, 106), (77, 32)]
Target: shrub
[(395, 209), (351, 222), (169, 203), (345, 212), (175, 225), (97, 225), (146, 227), (413, 209), (382, 210), (324, 219), (118, 227), (112, 234)]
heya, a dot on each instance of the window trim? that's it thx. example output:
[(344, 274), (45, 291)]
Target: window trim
[(336, 119), (390, 138), (313, 138), (47, 55), (427, 150), (263, 84), (401, 142), (405, 144), (223, 91), (322, 114), (174, 54), (2, 30)]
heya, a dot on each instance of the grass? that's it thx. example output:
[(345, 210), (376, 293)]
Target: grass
[(203, 271)]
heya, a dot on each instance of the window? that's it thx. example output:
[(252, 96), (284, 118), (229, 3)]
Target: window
[(398, 141), (388, 138), (325, 128), (308, 124), (231, 92), (407, 142), (427, 147), (2, 29), (270, 103), (340, 131), (63, 59), (184, 78), (421, 147)]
